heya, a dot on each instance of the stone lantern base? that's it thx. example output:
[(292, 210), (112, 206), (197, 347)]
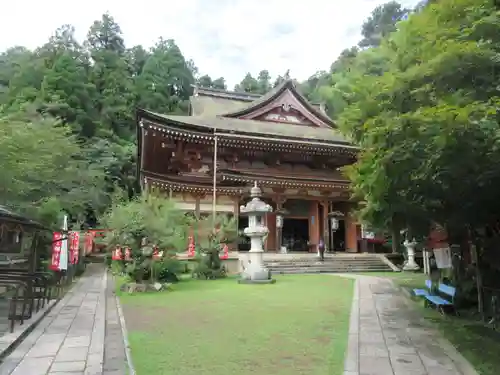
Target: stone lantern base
[(256, 273), (250, 281)]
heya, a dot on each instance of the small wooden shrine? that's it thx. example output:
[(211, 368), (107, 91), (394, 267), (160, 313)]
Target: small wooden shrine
[(19, 238), (286, 144)]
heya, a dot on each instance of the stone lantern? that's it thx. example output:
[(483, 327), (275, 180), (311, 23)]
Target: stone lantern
[(256, 209), (410, 264)]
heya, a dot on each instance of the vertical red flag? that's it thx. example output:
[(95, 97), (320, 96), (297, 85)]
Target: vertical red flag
[(89, 242), (191, 247), (56, 251), (225, 252), (117, 253), (128, 254), (74, 247), (156, 253)]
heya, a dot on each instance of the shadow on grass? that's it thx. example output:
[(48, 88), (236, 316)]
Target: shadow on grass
[(478, 343)]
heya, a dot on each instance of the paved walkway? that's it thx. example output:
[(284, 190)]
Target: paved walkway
[(83, 335), (388, 337), (79, 336)]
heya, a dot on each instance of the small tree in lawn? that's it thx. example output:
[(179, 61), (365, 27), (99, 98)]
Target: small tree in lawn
[(212, 233), (142, 224)]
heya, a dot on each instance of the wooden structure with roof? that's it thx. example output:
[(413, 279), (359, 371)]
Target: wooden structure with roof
[(289, 146)]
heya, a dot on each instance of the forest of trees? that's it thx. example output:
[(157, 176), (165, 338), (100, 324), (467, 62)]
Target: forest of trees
[(67, 108)]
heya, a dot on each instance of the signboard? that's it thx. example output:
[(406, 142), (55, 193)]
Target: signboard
[(366, 233), (56, 251), (443, 257), (74, 247)]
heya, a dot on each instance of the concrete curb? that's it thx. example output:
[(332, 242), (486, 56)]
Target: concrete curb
[(131, 369), (351, 357)]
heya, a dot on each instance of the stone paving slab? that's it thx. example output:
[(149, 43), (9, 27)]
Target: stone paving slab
[(115, 360), (388, 337), (70, 339)]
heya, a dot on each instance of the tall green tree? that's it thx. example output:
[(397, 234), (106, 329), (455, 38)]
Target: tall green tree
[(428, 128), (381, 23), (248, 84), (206, 81), (112, 79), (264, 82), (165, 83), (43, 160)]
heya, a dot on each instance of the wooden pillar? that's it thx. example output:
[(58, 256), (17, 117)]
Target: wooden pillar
[(271, 226), (313, 226), (280, 201), (324, 230), (351, 234), (237, 219)]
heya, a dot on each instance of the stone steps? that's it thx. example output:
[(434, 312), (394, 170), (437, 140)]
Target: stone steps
[(289, 271), (329, 265)]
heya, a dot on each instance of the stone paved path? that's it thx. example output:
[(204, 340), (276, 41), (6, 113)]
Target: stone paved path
[(73, 338), (388, 337)]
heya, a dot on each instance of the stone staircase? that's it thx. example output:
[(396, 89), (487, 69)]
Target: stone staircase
[(332, 264)]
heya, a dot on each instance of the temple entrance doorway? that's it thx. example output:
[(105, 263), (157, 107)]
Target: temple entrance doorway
[(295, 235), (337, 238)]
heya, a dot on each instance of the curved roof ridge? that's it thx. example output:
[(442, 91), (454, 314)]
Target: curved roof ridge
[(288, 84), (227, 94)]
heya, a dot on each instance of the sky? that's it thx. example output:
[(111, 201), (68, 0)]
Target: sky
[(224, 37)]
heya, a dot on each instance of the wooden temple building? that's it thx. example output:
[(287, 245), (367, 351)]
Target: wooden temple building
[(286, 144)]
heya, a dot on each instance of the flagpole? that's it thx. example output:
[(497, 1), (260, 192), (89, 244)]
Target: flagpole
[(214, 187), (63, 260)]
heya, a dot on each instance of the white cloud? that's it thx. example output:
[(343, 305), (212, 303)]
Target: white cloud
[(224, 37)]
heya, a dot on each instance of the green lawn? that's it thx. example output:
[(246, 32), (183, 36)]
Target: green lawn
[(479, 344), (297, 326)]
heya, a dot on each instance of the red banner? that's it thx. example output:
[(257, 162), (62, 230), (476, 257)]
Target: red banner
[(117, 253), (74, 247), (191, 247), (128, 254), (157, 254), (89, 242), (225, 252), (56, 251)]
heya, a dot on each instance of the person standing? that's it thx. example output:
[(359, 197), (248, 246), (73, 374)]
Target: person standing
[(321, 249)]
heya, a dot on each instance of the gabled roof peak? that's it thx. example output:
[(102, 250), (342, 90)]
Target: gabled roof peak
[(273, 95)]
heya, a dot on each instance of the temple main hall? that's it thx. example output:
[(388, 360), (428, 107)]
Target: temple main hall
[(232, 140)]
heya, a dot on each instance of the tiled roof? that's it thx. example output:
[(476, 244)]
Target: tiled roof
[(7, 215), (251, 127)]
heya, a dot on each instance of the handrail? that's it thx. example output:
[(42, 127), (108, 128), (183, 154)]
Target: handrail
[(13, 301)]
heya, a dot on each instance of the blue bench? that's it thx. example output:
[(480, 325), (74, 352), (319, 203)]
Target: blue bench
[(424, 292), (440, 302)]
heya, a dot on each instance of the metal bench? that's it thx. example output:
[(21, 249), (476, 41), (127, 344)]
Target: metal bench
[(441, 303), (424, 292)]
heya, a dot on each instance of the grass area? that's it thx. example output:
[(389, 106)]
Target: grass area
[(478, 343), (297, 326)]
